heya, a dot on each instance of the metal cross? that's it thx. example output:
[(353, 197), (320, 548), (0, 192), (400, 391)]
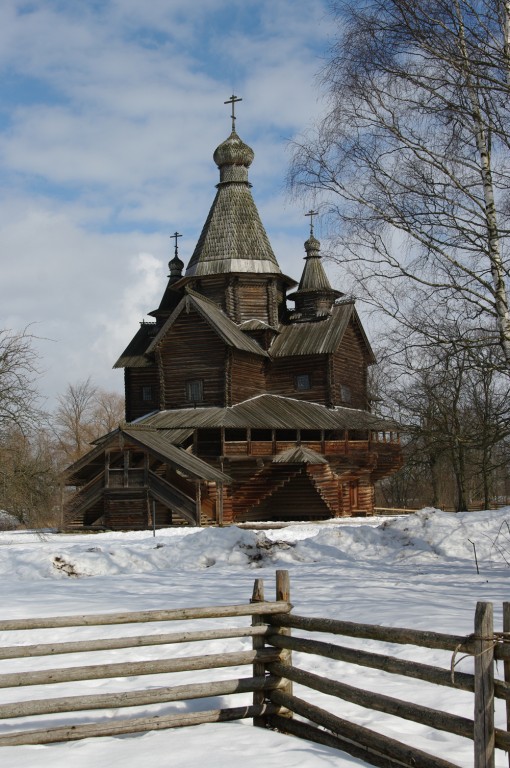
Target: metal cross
[(233, 99), (175, 236), (311, 214)]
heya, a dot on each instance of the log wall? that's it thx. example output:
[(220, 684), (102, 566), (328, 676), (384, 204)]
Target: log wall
[(134, 381), (349, 370), (281, 379), (192, 351), (247, 376)]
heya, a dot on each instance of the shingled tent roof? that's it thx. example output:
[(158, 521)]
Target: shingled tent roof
[(314, 277), (233, 238)]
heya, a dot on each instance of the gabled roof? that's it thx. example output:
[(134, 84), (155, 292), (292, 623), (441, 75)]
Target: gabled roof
[(157, 443), (216, 318), (269, 412), (318, 337), (134, 354), (300, 455), (160, 443)]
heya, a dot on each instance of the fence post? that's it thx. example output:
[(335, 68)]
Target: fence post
[(283, 593), (259, 669), (484, 687), (506, 630)]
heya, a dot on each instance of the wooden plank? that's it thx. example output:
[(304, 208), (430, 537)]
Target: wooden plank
[(397, 635), (442, 721), (136, 617), (134, 725), (127, 669), (313, 733), (137, 698), (259, 668), (506, 630), (376, 742), (283, 594), (417, 670), (484, 687), (502, 739), (137, 641)]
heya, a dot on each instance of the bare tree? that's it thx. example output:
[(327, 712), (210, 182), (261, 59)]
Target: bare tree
[(108, 412), (19, 398), (456, 412), (73, 417), (84, 413), (29, 488), (411, 163)]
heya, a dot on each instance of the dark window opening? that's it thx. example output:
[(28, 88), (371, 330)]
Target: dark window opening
[(286, 435), (235, 435), (147, 394), (195, 390), (334, 434), (358, 434), (311, 435), (262, 435), (303, 381)]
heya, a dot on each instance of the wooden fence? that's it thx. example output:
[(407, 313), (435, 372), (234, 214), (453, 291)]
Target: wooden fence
[(273, 675)]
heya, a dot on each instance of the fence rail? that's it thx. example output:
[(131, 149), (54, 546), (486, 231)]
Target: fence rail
[(273, 675), (260, 683)]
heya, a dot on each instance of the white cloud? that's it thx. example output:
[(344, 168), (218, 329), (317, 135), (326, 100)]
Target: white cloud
[(109, 118)]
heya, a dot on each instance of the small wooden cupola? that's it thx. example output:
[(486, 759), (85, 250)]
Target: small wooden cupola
[(314, 297), (171, 296)]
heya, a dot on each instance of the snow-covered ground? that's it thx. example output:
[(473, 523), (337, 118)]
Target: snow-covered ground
[(416, 571)]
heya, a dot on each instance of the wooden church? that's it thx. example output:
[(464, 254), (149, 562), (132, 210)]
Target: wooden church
[(239, 407)]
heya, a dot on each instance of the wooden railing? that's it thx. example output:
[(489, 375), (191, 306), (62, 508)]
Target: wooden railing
[(257, 657), (273, 674), (484, 645)]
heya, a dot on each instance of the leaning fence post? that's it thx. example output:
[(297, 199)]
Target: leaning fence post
[(259, 668), (506, 630), (484, 686), (283, 593)]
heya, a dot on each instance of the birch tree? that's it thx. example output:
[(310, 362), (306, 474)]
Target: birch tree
[(411, 162)]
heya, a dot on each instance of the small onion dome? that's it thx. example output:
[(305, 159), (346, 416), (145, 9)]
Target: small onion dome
[(233, 151), (312, 244), (175, 266)]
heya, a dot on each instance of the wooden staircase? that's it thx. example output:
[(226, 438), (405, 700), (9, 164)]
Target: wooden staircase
[(252, 494), (82, 501)]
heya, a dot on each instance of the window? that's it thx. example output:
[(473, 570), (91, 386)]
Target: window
[(311, 435), (286, 435), (235, 435), (195, 390), (147, 395), (345, 393), (262, 435), (303, 381)]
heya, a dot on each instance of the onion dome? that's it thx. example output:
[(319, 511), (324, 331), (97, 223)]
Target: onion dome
[(175, 266), (233, 151), (233, 157)]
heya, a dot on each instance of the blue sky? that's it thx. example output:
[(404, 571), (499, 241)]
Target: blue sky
[(110, 111)]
